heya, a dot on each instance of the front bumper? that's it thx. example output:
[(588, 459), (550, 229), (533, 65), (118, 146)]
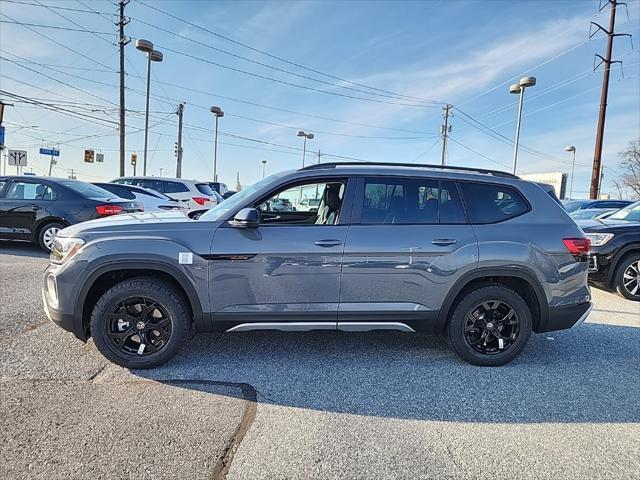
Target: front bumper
[(58, 305)]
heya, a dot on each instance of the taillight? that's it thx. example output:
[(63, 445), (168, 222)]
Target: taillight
[(200, 200), (578, 247), (106, 210)]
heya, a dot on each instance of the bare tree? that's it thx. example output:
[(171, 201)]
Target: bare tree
[(631, 166)]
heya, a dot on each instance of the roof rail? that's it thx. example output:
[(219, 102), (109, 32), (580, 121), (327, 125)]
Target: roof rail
[(495, 173)]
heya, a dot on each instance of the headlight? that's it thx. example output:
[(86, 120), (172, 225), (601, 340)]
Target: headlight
[(599, 239), (64, 248)]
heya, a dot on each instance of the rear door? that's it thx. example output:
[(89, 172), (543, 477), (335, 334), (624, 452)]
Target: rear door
[(407, 244)]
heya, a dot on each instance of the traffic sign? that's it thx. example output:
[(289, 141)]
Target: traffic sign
[(50, 151), (18, 158), (134, 159), (1, 135), (99, 157), (88, 156)]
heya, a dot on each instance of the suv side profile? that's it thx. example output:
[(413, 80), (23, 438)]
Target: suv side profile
[(194, 194), (480, 256)]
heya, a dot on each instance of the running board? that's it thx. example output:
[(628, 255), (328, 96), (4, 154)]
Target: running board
[(309, 326)]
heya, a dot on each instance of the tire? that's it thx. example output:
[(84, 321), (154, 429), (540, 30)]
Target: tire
[(508, 316), (130, 332), (626, 280), (47, 233)]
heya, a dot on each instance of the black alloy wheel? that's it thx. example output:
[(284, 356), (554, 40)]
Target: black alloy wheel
[(491, 327)]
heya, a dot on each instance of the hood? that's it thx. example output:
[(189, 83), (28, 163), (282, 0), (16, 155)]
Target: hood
[(607, 225), (147, 223)]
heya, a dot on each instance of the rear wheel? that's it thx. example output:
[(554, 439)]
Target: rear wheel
[(140, 323), (627, 277), (47, 234), (490, 326)]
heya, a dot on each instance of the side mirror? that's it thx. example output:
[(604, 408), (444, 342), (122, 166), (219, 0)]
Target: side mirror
[(246, 218)]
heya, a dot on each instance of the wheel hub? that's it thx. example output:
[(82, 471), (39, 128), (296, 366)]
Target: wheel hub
[(140, 325)]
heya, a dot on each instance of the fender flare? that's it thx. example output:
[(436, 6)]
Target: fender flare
[(201, 322), (514, 272), (616, 259)]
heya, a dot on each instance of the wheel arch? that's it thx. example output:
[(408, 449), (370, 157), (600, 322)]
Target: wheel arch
[(522, 281), (618, 257), (105, 276), (46, 221)]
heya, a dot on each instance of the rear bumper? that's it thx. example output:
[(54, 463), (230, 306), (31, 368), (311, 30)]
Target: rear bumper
[(570, 316)]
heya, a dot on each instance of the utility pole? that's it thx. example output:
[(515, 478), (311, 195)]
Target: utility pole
[(179, 143), (72, 174), (2, 147), (445, 129), (122, 42), (596, 178)]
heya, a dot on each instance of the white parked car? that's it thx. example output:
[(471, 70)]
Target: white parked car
[(192, 193), (151, 200)]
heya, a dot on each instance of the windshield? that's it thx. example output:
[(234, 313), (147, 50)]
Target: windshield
[(630, 213), (217, 212), (88, 190), (572, 206)]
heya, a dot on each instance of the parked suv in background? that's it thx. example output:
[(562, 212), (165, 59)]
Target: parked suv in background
[(151, 200), (615, 256), (194, 194), (35, 208), (219, 187), (479, 255), (573, 205)]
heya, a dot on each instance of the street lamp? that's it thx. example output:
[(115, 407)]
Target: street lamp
[(264, 167), (571, 148), (217, 113), (152, 56), (519, 88), (304, 147)]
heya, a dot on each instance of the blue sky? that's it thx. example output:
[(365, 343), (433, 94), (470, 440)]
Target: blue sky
[(461, 52)]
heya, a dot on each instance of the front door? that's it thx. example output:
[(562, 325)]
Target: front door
[(23, 202), (285, 274), (408, 242)]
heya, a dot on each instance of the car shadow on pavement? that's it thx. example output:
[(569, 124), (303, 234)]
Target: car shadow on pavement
[(585, 375), (21, 249)]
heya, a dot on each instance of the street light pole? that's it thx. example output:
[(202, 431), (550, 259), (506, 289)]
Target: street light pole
[(306, 136), (519, 88), (217, 113), (152, 56), (571, 148)]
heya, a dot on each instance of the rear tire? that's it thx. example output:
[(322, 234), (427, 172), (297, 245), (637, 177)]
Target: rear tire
[(490, 326), (47, 233), (140, 323), (626, 280)]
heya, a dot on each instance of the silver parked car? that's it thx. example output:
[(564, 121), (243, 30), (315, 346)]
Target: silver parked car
[(478, 255)]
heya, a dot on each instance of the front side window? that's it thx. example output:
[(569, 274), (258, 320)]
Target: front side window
[(30, 191), (487, 203), (293, 205), (422, 201)]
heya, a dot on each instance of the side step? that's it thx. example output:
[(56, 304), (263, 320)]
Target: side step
[(309, 326)]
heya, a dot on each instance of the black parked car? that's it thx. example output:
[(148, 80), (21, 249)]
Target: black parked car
[(36, 208), (615, 251)]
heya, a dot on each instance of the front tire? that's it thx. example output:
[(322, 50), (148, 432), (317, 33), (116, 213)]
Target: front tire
[(140, 323), (627, 277), (47, 234), (490, 326)]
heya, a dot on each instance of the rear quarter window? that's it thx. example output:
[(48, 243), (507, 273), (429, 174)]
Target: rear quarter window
[(487, 203)]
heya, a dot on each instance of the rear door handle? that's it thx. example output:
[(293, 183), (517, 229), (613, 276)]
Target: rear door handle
[(443, 242), (328, 243), (35, 208)]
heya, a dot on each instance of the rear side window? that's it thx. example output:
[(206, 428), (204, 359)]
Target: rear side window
[(156, 185), (491, 203), (420, 201), (174, 187), (205, 189)]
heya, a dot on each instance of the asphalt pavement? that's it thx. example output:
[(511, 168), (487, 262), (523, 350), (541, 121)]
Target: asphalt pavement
[(315, 405)]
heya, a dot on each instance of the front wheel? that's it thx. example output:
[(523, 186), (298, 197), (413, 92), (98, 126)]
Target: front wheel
[(490, 326), (627, 277), (140, 323)]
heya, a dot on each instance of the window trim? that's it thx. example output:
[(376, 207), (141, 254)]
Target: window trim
[(357, 211), (512, 187), (345, 212)]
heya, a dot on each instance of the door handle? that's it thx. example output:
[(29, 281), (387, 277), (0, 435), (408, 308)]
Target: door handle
[(35, 208), (328, 243), (443, 242)]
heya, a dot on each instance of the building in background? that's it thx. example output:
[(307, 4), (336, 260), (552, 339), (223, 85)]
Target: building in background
[(557, 179)]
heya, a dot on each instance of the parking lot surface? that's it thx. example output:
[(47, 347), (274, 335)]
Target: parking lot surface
[(315, 405)]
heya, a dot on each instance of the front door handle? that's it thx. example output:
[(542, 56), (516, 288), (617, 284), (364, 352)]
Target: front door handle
[(443, 242), (35, 208), (328, 243)]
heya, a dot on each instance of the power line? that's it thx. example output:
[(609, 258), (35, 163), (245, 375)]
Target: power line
[(275, 57), (477, 153), (52, 6), (55, 27)]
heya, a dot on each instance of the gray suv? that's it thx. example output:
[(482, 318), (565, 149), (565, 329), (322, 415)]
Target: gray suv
[(480, 256)]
